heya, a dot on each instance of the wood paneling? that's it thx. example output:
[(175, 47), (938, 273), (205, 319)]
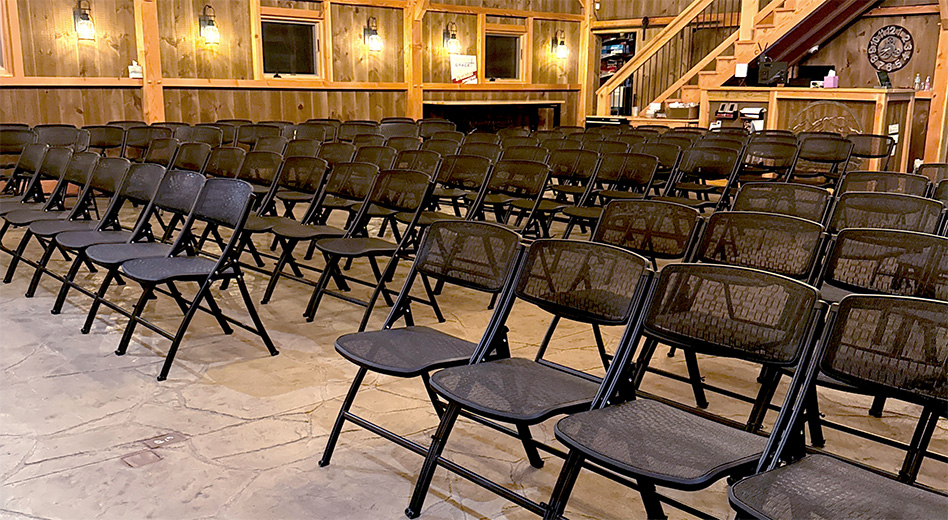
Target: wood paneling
[(50, 46), (183, 52), (437, 63), (293, 4), (547, 68), (919, 130), (829, 116), (568, 114), (352, 60), (77, 106), (552, 6), (204, 105), (622, 9)]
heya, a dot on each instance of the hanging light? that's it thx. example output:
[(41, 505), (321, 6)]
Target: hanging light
[(558, 46), (82, 19), (208, 26), (451, 42), (371, 35)]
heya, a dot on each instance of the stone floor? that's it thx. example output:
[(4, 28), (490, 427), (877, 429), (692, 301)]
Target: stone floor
[(254, 426)]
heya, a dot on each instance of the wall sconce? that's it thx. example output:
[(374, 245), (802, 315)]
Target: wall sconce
[(451, 43), (208, 26), (371, 35), (82, 19), (558, 46)]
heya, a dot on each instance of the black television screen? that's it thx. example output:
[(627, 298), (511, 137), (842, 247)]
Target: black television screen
[(814, 72)]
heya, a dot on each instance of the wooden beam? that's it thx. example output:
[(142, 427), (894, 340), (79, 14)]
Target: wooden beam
[(147, 43), (256, 40), (325, 43), (290, 14), (528, 52), (514, 13), (629, 23), (280, 84), (943, 9), (907, 10), (749, 10), (12, 45), (481, 46), (394, 4), (69, 82), (413, 15), (936, 139), (586, 62), (501, 86), (505, 28)]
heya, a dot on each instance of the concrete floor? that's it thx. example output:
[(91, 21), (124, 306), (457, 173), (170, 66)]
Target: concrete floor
[(254, 426)]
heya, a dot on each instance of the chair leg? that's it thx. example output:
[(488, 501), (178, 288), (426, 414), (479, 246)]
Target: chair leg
[(433, 396), (50, 248), (379, 288), (133, 320), (653, 506), (920, 440), (529, 445), (564, 485), (67, 282), (278, 270), (694, 374), (252, 311), (182, 328), (17, 255), (97, 300), (331, 264), (813, 420), (218, 315), (431, 298), (341, 418), (438, 443), (878, 405)]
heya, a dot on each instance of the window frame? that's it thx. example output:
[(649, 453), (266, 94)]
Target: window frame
[(318, 37), (521, 33)]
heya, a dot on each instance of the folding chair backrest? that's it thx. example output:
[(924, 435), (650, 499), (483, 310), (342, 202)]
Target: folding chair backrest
[(573, 165), (301, 148), (884, 182), (512, 131), (391, 129), (452, 135), (335, 153), (418, 160), (476, 255), (569, 130), (31, 159), (582, 281), (489, 150), (139, 137), (630, 139), (519, 141), (224, 161), (177, 128), (692, 130), (525, 153), (708, 163), (141, 183), (543, 135), (463, 171), (211, 135), (191, 156), (381, 156), (224, 202), (625, 170), (796, 200), (399, 190), (481, 137), (228, 132), (731, 142), (668, 155), (178, 191), (247, 135), (348, 130), (822, 155), (316, 131), (363, 140), (161, 151), (260, 168), (681, 141), (587, 136), (57, 136), (80, 167), (941, 192), (608, 131), (14, 140), (729, 130), (936, 172), (887, 211), (893, 346), (606, 146), (779, 244), (427, 128), (732, 311), (883, 261), (871, 146), (108, 175), (127, 124), (351, 180), (651, 228), (769, 157), (526, 179), (561, 144), (403, 143), (304, 174), (441, 146), (645, 133), (287, 129), (105, 137), (276, 144), (331, 127)]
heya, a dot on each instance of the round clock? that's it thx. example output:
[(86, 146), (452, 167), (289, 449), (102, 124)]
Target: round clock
[(890, 48)]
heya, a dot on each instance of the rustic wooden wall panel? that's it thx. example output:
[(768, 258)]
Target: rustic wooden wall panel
[(293, 4), (352, 61), (437, 61), (919, 129), (77, 106), (547, 68), (50, 46), (183, 52), (550, 6), (505, 20), (622, 9), (204, 105)]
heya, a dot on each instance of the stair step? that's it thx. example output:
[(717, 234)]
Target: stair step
[(690, 94)]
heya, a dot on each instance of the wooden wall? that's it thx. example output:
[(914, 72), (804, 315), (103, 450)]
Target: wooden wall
[(437, 63), (76, 106), (351, 59), (547, 68), (183, 52), (550, 6), (205, 105)]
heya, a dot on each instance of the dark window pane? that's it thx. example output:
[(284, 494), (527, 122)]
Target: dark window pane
[(289, 48), (501, 57)]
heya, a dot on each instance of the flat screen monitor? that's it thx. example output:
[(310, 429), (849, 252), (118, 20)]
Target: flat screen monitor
[(772, 73)]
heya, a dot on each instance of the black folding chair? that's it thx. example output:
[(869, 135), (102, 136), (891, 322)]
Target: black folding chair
[(275, 144), (161, 152), (28, 163), (491, 151), (885, 182), (444, 147), (191, 157), (871, 146), (511, 181), (138, 138), (700, 171), (428, 127), (796, 200), (887, 211), (362, 140), (224, 161), (301, 148), (12, 142), (821, 160)]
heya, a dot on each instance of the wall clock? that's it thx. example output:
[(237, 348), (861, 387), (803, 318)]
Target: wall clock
[(890, 48)]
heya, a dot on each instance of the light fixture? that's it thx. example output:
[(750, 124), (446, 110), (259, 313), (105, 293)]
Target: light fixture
[(208, 25), (85, 29), (451, 43), (558, 46), (371, 35)]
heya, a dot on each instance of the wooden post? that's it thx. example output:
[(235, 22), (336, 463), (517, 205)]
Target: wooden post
[(149, 57), (749, 10), (256, 40), (586, 62), (414, 14), (12, 46), (936, 141), (481, 46)]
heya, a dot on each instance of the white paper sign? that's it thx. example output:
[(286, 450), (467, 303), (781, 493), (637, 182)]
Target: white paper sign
[(463, 68)]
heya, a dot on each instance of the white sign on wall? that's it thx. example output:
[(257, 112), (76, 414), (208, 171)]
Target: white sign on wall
[(463, 68)]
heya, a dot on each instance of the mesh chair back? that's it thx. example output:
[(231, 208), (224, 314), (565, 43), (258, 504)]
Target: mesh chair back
[(403, 143), (224, 161), (191, 156), (275, 144), (681, 141), (561, 144), (651, 228), (871, 146), (452, 135), (394, 119), (606, 146), (301, 148), (211, 135), (260, 168), (893, 346), (362, 140), (477, 255), (161, 151), (178, 191), (525, 153), (936, 172), (729, 130), (54, 164), (772, 158), (235, 122), (822, 156), (57, 136), (668, 155), (543, 135), (481, 137), (399, 190), (608, 131), (887, 211), (224, 202), (630, 139), (721, 141), (228, 132), (519, 141), (763, 137), (287, 129), (693, 130), (731, 311), (177, 128), (790, 133), (391, 129), (627, 170), (491, 151), (335, 153), (582, 281), (708, 163), (512, 131), (441, 146), (14, 126), (883, 261), (654, 128), (14, 140), (525, 179), (330, 126), (573, 165), (127, 124), (588, 136), (108, 174), (305, 174), (941, 192), (80, 167), (315, 131), (381, 156), (463, 171), (105, 137), (31, 159), (884, 182), (644, 133), (247, 135), (796, 200), (351, 180), (570, 130), (139, 137), (141, 183), (427, 128), (418, 160), (777, 243), (348, 130)]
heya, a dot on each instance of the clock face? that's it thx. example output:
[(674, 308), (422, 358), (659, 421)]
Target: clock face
[(890, 48)]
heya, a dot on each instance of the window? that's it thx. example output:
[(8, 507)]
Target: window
[(501, 57), (290, 48)]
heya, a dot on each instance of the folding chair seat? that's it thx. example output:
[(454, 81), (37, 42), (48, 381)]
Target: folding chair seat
[(161, 152), (315, 131), (491, 151), (138, 138), (517, 140), (403, 143), (821, 160), (74, 171), (12, 143), (511, 181), (481, 137), (428, 127), (381, 156), (451, 135), (362, 140), (706, 168), (525, 153), (765, 160), (103, 138), (191, 157), (300, 147), (660, 443), (475, 255), (59, 136), (211, 135), (796, 200), (579, 281), (335, 153), (887, 211), (247, 135), (225, 203), (53, 167), (604, 147), (870, 146), (884, 182), (560, 144), (899, 359), (275, 144), (399, 191), (444, 147), (28, 162), (224, 161), (403, 128), (349, 129)]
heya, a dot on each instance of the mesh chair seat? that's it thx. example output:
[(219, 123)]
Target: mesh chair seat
[(294, 196), (698, 187), (672, 446), (357, 246), (493, 198), (115, 254), (257, 223), (260, 190), (426, 218), (333, 202), (46, 228), (823, 487), (568, 189), (26, 216), (82, 239), (583, 213), (515, 389), (407, 352), (14, 204), (451, 193), (545, 205), (620, 195), (174, 268), (374, 210), (293, 229), (685, 201)]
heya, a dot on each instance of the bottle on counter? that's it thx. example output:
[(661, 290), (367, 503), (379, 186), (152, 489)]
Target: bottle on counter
[(928, 84), (918, 82)]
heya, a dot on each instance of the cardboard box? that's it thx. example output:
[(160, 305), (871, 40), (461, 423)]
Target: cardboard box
[(682, 113)]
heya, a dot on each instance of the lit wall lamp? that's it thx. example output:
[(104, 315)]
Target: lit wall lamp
[(451, 43), (82, 19), (558, 46), (371, 35), (208, 25)]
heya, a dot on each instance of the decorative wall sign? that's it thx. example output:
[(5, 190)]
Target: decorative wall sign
[(463, 68), (890, 48)]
